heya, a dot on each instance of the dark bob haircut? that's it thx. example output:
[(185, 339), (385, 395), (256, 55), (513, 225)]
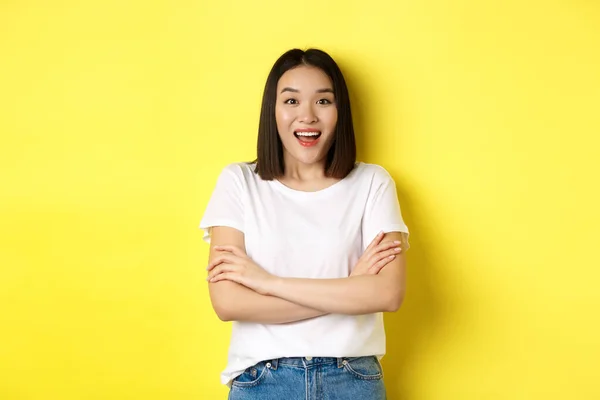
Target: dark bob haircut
[(341, 157)]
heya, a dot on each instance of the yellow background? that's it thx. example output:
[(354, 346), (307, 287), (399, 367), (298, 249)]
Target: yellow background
[(116, 117)]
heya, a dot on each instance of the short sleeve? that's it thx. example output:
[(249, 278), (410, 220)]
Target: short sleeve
[(225, 207), (382, 211)]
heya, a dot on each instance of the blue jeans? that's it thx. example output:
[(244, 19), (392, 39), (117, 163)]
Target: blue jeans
[(318, 378)]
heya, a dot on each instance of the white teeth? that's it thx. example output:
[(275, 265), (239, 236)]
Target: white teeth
[(308, 133)]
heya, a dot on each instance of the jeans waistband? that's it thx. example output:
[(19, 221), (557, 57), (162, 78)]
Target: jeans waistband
[(305, 362)]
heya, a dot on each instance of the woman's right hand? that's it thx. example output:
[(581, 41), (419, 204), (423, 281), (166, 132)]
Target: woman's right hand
[(376, 256)]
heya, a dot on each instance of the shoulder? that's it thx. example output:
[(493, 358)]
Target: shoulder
[(374, 173), (240, 172), (238, 168)]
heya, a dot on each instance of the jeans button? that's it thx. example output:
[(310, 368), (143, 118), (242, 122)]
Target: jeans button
[(308, 358)]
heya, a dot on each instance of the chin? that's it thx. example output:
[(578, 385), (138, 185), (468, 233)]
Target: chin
[(310, 160)]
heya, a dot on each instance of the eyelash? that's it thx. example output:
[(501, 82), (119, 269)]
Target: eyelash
[(320, 101)]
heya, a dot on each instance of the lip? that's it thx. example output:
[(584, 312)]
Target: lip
[(308, 144), (307, 130)]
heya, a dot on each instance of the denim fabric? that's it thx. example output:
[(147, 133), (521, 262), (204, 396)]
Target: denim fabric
[(318, 378)]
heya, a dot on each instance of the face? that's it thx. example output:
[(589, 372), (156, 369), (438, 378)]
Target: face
[(306, 114)]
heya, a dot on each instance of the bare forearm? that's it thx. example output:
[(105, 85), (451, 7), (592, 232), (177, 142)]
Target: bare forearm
[(243, 304), (355, 295)]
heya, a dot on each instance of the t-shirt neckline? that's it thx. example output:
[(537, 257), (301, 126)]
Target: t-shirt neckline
[(317, 193)]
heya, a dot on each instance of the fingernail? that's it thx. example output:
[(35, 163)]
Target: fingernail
[(392, 256), (397, 249), (397, 242), (380, 233)]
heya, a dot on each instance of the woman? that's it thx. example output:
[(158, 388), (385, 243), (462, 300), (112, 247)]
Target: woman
[(306, 246)]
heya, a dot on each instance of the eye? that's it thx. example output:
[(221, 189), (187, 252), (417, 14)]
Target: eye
[(324, 101), (291, 101)]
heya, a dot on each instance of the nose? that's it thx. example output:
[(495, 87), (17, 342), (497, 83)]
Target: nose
[(307, 114)]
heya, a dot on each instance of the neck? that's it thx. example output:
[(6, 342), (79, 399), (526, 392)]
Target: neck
[(297, 171)]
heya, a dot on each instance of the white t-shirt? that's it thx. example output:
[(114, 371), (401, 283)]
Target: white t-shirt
[(317, 235)]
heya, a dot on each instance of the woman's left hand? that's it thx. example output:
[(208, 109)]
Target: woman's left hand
[(233, 264)]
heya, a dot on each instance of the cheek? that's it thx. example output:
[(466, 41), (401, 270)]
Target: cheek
[(331, 118), (283, 117)]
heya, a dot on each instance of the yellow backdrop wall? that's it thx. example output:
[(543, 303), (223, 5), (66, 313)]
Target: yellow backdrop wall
[(116, 117)]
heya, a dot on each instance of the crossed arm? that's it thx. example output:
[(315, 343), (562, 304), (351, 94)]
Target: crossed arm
[(283, 300)]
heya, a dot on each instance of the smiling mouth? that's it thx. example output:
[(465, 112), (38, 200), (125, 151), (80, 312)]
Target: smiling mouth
[(307, 137)]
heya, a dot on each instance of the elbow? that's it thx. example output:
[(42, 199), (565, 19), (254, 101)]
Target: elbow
[(224, 316), (394, 301), (223, 311)]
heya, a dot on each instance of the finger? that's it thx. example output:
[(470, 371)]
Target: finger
[(216, 261), (223, 258), (384, 254), (226, 276), (222, 268), (231, 248), (378, 266), (381, 248), (386, 246), (375, 241)]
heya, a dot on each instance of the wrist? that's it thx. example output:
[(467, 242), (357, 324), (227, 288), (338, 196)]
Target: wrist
[(274, 286)]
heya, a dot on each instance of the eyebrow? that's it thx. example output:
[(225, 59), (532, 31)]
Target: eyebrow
[(289, 89)]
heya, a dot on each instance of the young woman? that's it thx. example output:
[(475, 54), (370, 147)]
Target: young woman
[(307, 246)]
